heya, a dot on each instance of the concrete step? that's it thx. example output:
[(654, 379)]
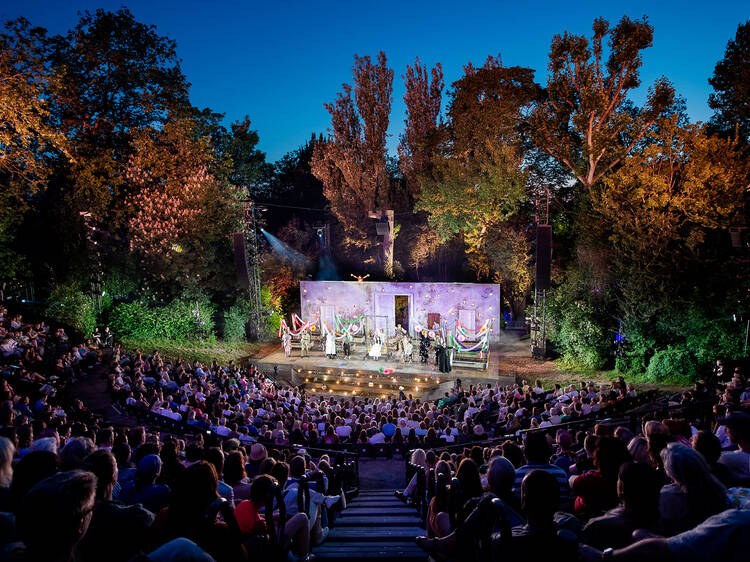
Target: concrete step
[(375, 534)]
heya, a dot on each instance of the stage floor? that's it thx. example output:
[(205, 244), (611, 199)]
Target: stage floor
[(365, 377)]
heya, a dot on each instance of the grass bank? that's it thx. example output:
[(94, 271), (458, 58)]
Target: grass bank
[(202, 351), (572, 373)]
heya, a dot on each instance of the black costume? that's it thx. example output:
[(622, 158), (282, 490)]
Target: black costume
[(424, 347), (444, 359)]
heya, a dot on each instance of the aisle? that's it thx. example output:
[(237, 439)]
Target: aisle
[(375, 525)]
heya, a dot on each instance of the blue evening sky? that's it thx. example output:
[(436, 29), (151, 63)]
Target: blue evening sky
[(280, 61)]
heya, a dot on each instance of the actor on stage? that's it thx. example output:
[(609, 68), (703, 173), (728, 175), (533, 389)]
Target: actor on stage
[(286, 342), (445, 359), (408, 348), (377, 346), (347, 346), (330, 344), (304, 344), (424, 347)]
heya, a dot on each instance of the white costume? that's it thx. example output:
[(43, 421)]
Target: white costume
[(408, 349), (330, 344), (377, 346)]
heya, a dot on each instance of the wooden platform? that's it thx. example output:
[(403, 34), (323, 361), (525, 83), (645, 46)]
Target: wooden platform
[(374, 526)]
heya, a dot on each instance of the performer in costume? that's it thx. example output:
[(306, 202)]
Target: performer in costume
[(304, 344), (286, 342), (347, 345), (445, 359), (330, 344), (377, 346), (438, 349), (424, 347), (408, 349)]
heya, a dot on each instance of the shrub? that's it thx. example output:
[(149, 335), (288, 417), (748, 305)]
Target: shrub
[(577, 325), (235, 321), (70, 306), (673, 364), (175, 321)]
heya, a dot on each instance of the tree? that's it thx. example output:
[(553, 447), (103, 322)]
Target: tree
[(588, 123), (659, 210), (731, 83), (476, 179), (351, 164), (423, 98), (27, 138), (181, 215)]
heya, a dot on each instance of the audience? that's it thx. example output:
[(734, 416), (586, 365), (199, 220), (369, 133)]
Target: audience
[(510, 482)]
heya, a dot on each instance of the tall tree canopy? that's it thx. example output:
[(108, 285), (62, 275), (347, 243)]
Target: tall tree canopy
[(731, 83), (27, 137), (588, 123), (352, 163), (423, 98), (475, 178)]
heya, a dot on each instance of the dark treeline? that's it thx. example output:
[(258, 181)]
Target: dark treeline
[(641, 201)]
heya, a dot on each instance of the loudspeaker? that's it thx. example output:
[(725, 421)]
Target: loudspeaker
[(543, 255), (240, 259)]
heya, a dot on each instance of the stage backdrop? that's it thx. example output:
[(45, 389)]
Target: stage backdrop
[(413, 305)]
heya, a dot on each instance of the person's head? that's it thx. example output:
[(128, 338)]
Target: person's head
[(148, 470), (540, 496), (261, 487), (689, 470), (194, 490), (513, 453), (738, 429), (103, 465), (7, 450), (234, 468), (564, 439), (500, 476), (609, 455), (708, 445), (536, 448), (297, 467), (75, 450), (419, 457), (638, 449), (280, 471), (623, 434), (468, 477), (215, 456), (30, 470), (55, 514), (638, 487)]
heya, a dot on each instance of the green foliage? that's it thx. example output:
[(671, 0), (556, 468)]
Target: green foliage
[(175, 321), (577, 325), (272, 322), (70, 306), (672, 364), (235, 320)]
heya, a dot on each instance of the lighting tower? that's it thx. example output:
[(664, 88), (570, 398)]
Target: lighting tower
[(253, 267), (542, 276)]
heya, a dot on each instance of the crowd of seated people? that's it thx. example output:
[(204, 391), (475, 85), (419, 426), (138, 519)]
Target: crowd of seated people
[(245, 404), (675, 491), (72, 487)]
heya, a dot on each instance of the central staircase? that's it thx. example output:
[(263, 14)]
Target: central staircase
[(375, 525)]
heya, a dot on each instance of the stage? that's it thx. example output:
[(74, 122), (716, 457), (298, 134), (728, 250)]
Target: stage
[(367, 377)]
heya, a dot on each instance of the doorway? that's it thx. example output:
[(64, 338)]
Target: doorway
[(401, 311)]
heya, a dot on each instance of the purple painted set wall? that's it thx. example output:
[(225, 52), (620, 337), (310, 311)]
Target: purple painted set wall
[(351, 299)]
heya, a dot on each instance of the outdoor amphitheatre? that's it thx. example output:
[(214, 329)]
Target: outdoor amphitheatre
[(462, 306)]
